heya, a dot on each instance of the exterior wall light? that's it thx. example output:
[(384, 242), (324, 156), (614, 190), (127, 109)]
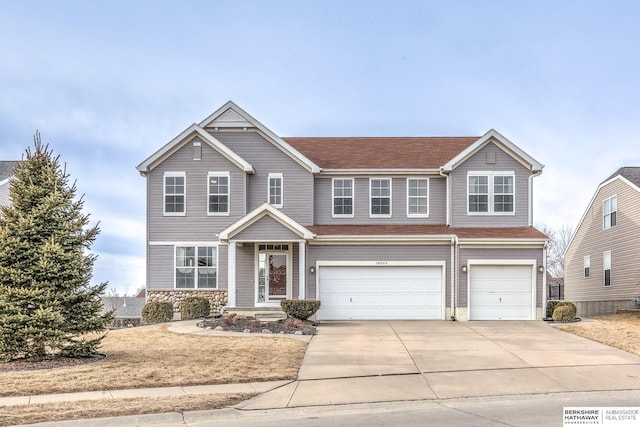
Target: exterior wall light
[(541, 269), (312, 270), (463, 268)]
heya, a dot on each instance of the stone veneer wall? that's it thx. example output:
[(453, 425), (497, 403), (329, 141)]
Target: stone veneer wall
[(217, 299)]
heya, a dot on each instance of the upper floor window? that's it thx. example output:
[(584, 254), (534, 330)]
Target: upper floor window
[(343, 197), (490, 193), (606, 266), (275, 195), (609, 212), (380, 195), (587, 266), (218, 193), (174, 193), (196, 267), (418, 197)]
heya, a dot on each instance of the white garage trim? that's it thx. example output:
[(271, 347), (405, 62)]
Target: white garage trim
[(382, 264), (498, 263)]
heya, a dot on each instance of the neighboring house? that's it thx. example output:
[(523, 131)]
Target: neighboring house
[(602, 274), (375, 228), (127, 311), (556, 287), (6, 170)]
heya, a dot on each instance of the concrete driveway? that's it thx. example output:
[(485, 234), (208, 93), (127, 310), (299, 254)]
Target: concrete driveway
[(378, 361)]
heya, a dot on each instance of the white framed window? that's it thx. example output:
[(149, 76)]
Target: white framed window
[(196, 267), (275, 190), (218, 193), (609, 212), (175, 193), (587, 266), (418, 197), (606, 267), (342, 197), (380, 197), (490, 193)]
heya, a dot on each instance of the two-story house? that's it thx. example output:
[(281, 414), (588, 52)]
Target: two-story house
[(374, 228), (601, 275), (6, 170)]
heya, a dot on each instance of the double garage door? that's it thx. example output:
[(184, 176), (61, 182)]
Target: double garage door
[(501, 292), (380, 292)]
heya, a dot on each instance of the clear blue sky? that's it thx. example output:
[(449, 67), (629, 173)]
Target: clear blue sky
[(109, 82)]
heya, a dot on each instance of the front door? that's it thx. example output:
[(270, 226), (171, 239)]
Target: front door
[(273, 277)]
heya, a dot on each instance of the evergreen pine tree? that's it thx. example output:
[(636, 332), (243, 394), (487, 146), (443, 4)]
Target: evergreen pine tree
[(47, 305)]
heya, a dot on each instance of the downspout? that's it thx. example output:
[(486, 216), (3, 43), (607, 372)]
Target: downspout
[(448, 200), (454, 276), (544, 280), (533, 175)]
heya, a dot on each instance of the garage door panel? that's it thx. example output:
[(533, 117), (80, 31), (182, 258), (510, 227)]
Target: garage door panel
[(501, 292), (367, 292)]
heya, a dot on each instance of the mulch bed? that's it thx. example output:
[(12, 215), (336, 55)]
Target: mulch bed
[(61, 362), (248, 324)]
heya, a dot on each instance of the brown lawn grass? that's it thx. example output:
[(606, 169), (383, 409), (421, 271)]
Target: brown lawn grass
[(617, 330), (151, 356), (27, 414)]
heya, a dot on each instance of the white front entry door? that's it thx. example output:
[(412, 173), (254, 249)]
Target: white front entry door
[(380, 292)]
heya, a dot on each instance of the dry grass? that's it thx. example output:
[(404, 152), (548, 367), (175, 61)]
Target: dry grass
[(617, 330), (27, 414), (151, 356)]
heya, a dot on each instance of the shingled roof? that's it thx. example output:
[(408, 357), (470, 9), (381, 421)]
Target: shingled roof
[(631, 173), (381, 152), (6, 168), (428, 230)]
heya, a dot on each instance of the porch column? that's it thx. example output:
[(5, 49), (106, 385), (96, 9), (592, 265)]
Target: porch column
[(231, 273), (302, 270)]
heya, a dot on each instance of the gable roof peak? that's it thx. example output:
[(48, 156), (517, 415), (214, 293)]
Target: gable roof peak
[(631, 173)]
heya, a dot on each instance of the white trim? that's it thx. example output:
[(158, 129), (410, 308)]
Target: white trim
[(491, 175), (384, 263), (353, 198), (231, 274), (195, 267), (604, 269), (4, 181), (259, 212), (166, 175), (500, 262), (183, 243), (276, 140), (593, 199), (410, 215), (184, 137), (219, 174), (289, 286), (390, 214), (610, 198), (509, 147), (302, 270), (280, 176)]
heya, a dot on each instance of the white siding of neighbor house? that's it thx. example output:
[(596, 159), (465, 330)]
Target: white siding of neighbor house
[(623, 240), (161, 264), (478, 162), (196, 224), (498, 254), (377, 253), (324, 202), (267, 158), (4, 194)]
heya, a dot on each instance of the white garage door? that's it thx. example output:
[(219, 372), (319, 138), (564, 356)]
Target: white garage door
[(380, 293), (500, 292)]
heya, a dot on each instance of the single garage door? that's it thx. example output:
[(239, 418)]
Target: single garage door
[(380, 293), (500, 292)]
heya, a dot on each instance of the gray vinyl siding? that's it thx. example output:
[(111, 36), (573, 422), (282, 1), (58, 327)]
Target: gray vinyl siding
[(478, 162), (245, 276), (266, 229), (196, 224), (161, 262), (623, 240), (524, 254), (4, 195), (377, 253), (323, 203), (266, 158)]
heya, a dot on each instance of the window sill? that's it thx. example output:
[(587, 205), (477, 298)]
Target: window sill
[(342, 216), (217, 214), (379, 216), (175, 214), (491, 214), (418, 216)]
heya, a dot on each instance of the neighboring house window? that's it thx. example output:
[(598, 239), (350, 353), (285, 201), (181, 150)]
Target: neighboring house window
[(380, 193), (610, 211), (196, 267), (587, 266), (606, 266), (343, 197), (275, 189), (418, 197), (491, 193), (174, 193), (218, 183)]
